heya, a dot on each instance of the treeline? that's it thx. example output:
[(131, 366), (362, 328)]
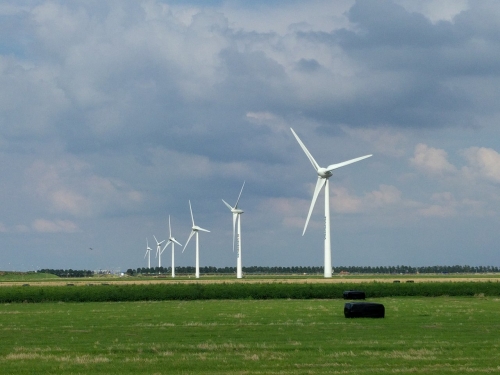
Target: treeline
[(68, 273), (416, 270), (234, 291), (312, 270)]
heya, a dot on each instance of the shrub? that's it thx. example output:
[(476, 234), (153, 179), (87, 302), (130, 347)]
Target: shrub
[(159, 292)]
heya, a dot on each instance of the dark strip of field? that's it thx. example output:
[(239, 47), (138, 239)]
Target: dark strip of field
[(225, 291)]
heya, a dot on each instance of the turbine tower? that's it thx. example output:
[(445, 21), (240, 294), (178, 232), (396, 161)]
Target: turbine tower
[(148, 253), (194, 230), (159, 251), (237, 231), (323, 175), (173, 241)]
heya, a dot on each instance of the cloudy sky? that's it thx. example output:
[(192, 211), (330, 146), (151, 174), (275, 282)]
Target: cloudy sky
[(113, 114)]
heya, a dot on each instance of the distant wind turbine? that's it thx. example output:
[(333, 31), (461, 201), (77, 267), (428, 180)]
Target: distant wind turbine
[(323, 175), (173, 241), (194, 230), (159, 251), (148, 253), (237, 231)]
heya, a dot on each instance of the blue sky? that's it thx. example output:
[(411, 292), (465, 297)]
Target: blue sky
[(114, 114)]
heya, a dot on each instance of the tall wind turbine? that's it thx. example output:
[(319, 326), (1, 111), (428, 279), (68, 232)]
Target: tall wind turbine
[(148, 253), (194, 230), (173, 241), (237, 223), (323, 175), (159, 251)]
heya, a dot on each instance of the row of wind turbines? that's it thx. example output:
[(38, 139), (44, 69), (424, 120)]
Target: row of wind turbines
[(323, 176), (195, 229)]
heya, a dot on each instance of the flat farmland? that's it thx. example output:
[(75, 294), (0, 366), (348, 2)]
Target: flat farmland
[(47, 280), (438, 335)]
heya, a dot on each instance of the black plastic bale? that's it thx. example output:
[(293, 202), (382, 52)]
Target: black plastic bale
[(364, 310), (354, 294)]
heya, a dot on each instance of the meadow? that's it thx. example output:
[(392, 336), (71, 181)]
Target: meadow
[(427, 335)]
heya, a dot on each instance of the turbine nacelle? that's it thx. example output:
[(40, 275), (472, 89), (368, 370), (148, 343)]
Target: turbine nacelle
[(172, 239), (237, 211), (196, 228), (158, 243), (324, 173)]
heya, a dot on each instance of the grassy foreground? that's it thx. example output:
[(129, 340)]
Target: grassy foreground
[(443, 335)]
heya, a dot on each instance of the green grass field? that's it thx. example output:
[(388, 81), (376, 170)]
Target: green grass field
[(443, 335), (26, 277)]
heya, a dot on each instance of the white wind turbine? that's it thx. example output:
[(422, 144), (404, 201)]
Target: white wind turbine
[(173, 241), (323, 175), (237, 224), (159, 251), (194, 230), (148, 253)]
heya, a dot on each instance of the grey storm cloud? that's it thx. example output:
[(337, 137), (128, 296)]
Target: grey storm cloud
[(411, 66)]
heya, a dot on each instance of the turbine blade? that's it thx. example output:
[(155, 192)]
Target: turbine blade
[(155, 240), (146, 254), (169, 227), (168, 243), (189, 239), (235, 219), (174, 240), (227, 204), (241, 191), (308, 154), (191, 210), (203, 230), (344, 163), (317, 189)]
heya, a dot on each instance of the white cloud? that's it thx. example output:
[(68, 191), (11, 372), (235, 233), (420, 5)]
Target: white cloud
[(71, 187), (291, 211), (342, 201), (268, 119), (483, 163), (431, 160), (386, 141), (445, 206), (56, 226), (386, 196)]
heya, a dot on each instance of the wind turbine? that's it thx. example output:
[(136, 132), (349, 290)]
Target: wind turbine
[(194, 230), (159, 251), (323, 175), (237, 221), (148, 253), (173, 241)]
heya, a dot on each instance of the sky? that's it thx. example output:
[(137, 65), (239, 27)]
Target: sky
[(113, 114)]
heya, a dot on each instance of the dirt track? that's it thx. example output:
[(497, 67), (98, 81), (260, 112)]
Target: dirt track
[(251, 281)]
